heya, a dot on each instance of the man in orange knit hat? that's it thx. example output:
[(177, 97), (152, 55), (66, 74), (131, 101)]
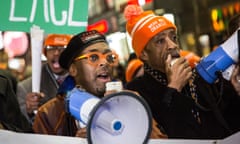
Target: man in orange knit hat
[(182, 103), (51, 76)]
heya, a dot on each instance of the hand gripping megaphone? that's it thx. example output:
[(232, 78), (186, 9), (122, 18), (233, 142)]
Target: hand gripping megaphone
[(118, 118), (221, 59)]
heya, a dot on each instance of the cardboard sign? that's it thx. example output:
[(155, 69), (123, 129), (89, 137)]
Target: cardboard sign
[(53, 16)]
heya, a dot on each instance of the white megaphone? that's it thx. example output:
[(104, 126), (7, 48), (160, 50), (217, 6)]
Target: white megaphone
[(118, 118), (220, 60)]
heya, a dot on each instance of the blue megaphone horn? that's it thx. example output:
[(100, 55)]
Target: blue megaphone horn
[(220, 60), (121, 117)]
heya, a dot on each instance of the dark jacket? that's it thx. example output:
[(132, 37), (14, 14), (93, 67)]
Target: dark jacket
[(13, 80), (173, 110), (11, 117)]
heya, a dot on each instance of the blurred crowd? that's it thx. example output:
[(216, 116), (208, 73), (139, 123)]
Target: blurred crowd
[(85, 61)]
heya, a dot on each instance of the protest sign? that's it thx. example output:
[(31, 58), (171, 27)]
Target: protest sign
[(53, 16)]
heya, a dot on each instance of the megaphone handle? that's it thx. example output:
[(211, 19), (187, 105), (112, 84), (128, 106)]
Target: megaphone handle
[(79, 124)]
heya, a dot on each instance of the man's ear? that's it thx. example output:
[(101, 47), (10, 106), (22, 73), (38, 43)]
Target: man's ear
[(73, 70), (143, 55)]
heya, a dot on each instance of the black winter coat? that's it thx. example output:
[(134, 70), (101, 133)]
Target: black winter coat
[(219, 108), (11, 117)]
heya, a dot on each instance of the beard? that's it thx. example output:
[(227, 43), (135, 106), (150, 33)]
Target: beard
[(100, 92)]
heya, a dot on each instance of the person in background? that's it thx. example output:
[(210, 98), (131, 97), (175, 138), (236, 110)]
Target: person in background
[(235, 79), (233, 25), (134, 69), (131, 57), (13, 80), (11, 117), (182, 103), (119, 73), (4, 69), (52, 75)]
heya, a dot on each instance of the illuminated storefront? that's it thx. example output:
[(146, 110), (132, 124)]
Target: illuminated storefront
[(220, 16)]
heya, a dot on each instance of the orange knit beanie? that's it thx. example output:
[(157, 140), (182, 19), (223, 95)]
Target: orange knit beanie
[(131, 69), (56, 40), (142, 26)]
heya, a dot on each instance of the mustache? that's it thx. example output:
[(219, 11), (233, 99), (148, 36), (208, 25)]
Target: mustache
[(105, 69)]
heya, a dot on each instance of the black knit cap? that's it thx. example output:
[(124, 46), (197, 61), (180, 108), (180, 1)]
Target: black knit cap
[(77, 44)]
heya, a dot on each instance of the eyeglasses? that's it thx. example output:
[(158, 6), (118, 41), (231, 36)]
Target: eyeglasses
[(54, 48), (94, 58)]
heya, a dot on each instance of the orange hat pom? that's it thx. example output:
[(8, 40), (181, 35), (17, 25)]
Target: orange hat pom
[(132, 67), (132, 11), (142, 26)]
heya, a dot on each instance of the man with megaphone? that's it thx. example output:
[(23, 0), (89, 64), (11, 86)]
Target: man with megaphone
[(183, 103), (90, 62)]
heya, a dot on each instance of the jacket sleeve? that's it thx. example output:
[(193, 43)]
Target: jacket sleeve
[(51, 118), (156, 132), (11, 116), (22, 89), (41, 124)]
